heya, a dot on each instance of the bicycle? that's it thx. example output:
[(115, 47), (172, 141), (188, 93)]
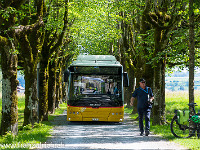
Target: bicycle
[(181, 128)]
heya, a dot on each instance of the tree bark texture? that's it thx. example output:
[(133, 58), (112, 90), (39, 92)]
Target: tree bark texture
[(52, 87), (157, 95), (43, 89), (163, 104), (9, 120), (191, 58), (191, 52), (157, 109), (30, 46), (59, 95), (31, 100), (9, 62)]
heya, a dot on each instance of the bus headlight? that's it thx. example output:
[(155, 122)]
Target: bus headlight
[(113, 113)]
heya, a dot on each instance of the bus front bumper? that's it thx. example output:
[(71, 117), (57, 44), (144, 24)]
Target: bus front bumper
[(91, 114)]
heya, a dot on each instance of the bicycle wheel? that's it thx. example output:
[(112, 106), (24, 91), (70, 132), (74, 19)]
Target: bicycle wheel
[(180, 130)]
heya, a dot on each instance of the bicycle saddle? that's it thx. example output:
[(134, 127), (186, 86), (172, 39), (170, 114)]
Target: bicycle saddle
[(192, 104)]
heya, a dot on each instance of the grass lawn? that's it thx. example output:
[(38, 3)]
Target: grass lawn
[(27, 135), (175, 100)]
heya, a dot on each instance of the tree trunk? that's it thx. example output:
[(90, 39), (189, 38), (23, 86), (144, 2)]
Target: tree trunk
[(191, 58), (60, 84), (31, 100), (159, 116), (163, 115), (129, 90), (157, 95), (59, 94), (148, 74), (192, 53), (9, 63), (52, 87), (64, 91), (157, 79), (9, 120), (57, 91), (43, 89), (29, 52)]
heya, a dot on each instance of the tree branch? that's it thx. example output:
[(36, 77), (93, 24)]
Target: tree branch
[(52, 41), (17, 3), (29, 28), (62, 35), (3, 40)]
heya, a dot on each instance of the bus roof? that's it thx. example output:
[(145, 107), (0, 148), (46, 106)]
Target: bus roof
[(96, 60)]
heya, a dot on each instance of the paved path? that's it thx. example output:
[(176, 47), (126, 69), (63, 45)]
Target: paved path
[(102, 135)]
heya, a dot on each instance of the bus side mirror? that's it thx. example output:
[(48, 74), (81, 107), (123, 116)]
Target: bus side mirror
[(66, 75), (126, 79)]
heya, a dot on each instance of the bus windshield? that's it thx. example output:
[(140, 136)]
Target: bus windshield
[(95, 90)]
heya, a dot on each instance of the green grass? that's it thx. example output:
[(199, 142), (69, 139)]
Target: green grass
[(61, 109), (175, 100), (58, 111), (27, 135)]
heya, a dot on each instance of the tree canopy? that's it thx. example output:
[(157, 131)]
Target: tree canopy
[(145, 36)]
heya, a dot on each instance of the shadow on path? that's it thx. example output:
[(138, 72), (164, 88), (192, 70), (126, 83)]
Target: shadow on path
[(102, 135)]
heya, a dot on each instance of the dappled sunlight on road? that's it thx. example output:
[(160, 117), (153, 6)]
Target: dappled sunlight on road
[(102, 135)]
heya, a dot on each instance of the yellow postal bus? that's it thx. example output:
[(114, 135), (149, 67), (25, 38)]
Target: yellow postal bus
[(95, 89)]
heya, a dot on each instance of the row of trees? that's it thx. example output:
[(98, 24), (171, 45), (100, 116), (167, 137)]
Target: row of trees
[(146, 36), (33, 33)]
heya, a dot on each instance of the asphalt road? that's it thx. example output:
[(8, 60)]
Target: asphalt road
[(102, 135)]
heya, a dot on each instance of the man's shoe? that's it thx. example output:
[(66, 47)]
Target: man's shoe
[(146, 133), (141, 134)]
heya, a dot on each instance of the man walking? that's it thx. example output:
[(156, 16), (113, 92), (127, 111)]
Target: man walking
[(144, 97)]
